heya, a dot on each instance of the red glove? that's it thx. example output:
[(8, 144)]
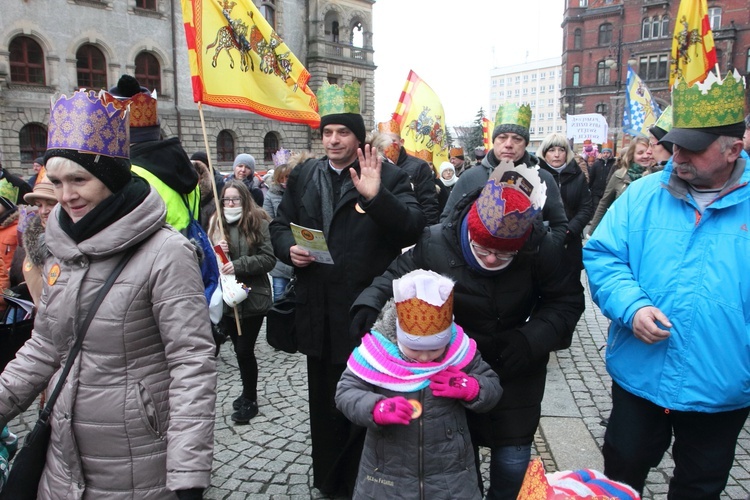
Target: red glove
[(392, 411), (453, 383)]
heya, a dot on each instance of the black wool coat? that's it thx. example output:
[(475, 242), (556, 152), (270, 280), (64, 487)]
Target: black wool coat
[(364, 237), (423, 180), (539, 295), (576, 197)]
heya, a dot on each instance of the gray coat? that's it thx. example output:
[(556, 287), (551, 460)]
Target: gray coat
[(271, 205), (431, 458), (136, 416)]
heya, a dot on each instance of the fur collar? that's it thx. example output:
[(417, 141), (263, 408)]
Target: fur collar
[(33, 242)]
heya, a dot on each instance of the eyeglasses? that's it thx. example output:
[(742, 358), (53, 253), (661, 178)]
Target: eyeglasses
[(231, 201), (484, 252)]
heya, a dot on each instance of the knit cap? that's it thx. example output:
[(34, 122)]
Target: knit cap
[(424, 305), (244, 159)]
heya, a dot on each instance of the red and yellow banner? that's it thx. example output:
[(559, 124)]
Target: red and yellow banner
[(238, 61), (693, 50), (421, 119), (487, 128)]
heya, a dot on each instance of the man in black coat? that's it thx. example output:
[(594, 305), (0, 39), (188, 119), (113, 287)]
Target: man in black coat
[(599, 174), (509, 142), (389, 141), (367, 211), (516, 297)]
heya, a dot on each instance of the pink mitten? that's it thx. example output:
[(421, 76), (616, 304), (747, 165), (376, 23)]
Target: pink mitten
[(453, 383), (392, 411)]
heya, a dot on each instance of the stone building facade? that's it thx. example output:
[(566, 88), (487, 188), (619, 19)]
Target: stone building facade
[(601, 38), (57, 46)]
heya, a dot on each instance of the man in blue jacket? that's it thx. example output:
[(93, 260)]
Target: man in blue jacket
[(665, 266)]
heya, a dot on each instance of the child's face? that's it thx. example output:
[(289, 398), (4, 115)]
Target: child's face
[(422, 356)]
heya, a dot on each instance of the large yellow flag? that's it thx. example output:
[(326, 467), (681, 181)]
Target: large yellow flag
[(238, 61), (693, 50), (421, 119)]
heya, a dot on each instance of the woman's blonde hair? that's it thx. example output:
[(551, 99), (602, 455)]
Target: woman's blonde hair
[(627, 158), (555, 141)]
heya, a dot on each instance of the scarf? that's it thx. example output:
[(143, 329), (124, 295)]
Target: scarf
[(378, 361), (636, 171), (324, 186), (232, 214), (108, 211)]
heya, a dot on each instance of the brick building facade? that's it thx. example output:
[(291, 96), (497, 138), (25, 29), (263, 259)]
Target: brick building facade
[(602, 37), (61, 45)]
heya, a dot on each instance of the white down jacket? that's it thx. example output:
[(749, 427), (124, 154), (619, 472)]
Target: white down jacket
[(136, 416)]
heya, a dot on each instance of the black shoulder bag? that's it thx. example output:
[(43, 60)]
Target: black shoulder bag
[(27, 468), (280, 329)]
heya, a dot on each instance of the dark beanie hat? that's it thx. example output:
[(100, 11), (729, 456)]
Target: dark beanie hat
[(200, 156), (505, 128), (352, 121), (39, 160), (113, 172), (659, 133)]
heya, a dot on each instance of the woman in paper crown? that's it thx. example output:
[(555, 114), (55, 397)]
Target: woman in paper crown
[(141, 392), (515, 295), (409, 383)]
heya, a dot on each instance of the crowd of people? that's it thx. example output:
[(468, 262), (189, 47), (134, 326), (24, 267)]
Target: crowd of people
[(444, 291)]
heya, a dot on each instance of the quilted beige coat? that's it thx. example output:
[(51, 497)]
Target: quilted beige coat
[(136, 416)]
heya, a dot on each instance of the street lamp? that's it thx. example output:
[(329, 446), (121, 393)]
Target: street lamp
[(615, 63)]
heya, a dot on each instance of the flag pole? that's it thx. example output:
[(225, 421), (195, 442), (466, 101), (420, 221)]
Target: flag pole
[(216, 197), (718, 73)]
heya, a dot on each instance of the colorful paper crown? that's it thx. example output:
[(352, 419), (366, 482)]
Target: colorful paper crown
[(142, 109), (424, 154), (665, 120), (580, 484), (455, 152), (333, 99), (90, 123), (513, 114), (391, 127), (424, 305), (502, 216), (281, 157), (709, 104)]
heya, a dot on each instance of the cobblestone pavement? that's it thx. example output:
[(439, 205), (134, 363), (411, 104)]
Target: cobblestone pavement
[(270, 458)]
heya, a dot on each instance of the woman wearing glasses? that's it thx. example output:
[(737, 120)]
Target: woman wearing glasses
[(515, 295), (247, 242)]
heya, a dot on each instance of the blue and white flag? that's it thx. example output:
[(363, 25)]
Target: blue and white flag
[(641, 111)]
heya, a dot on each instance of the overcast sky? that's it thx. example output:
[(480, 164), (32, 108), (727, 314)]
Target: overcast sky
[(453, 46)]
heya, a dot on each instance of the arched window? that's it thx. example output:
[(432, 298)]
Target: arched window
[(26, 61), (225, 146), (577, 43), (665, 27), (270, 146), (605, 34), (655, 27), (602, 73), (33, 141), (268, 9), (357, 36), (576, 76), (91, 68), (148, 71)]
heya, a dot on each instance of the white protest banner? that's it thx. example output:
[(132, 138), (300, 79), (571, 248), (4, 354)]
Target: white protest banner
[(591, 126)]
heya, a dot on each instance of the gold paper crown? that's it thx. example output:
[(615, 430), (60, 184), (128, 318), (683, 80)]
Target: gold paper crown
[(424, 154), (709, 104), (422, 319), (513, 114), (456, 152), (333, 99), (391, 126), (424, 303), (665, 120)]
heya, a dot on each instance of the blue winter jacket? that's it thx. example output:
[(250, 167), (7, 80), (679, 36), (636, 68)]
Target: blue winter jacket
[(654, 247)]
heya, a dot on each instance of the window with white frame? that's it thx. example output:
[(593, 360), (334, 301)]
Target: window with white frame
[(653, 67), (714, 17)]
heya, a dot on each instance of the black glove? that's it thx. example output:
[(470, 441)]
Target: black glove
[(191, 494), (363, 317), (516, 356)]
